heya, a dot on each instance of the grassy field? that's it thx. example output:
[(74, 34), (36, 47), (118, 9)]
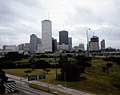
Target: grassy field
[(96, 81)]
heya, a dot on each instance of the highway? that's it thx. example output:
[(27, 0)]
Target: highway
[(23, 86), (29, 91)]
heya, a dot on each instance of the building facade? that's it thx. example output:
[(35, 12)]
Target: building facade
[(103, 44), (33, 43), (94, 43), (47, 35), (54, 45), (70, 43), (10, 48), (63, 37)]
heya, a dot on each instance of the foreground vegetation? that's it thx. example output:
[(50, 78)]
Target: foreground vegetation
[(99, 77), (95, 80)]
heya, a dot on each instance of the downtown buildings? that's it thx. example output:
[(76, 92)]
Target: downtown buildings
[(48, 44)]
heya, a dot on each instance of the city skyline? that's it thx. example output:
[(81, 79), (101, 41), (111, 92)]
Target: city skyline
[(21, 18)]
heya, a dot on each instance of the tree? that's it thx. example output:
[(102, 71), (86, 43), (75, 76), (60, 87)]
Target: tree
[(3, 77), (69, 72), (41, 64), (63, 59), (14, 56), (83, 61)]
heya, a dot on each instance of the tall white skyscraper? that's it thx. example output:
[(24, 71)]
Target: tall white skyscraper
[(47, 35)]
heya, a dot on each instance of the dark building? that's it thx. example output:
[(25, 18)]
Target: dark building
[(63, 37), (103, 44), (54, 45)]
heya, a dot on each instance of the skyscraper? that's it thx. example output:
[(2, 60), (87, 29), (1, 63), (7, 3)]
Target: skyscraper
[(103, 44), (54, 45), (63, 37), (94, 43), (47, 35), (70, 42), (33, 43)]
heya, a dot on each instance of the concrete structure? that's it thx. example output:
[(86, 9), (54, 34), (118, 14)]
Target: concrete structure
[(103, 44), (63, 37), (24, 48), (33, 43), (70, 43), (94, 43), (63, 47), (10, 48), (81, 46), (47, 35)]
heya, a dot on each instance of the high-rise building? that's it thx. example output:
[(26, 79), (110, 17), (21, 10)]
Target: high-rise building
[(103, 44), (63, 37), (33, 43), (70, 42), (94, 43), (47, 35), (54, 45)]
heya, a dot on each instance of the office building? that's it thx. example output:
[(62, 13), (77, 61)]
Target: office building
[(94, 43), (63, 37), (70, 43), (54, 45), (33, 43), (103, 44), (47, 35), (10, 48), (63, 47)]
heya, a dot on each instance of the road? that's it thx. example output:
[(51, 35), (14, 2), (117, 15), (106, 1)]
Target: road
[(59, 88), (23, 88)]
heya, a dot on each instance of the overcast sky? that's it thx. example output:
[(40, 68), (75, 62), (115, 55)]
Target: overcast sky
[(21, 18)]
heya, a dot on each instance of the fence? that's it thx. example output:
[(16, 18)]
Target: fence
[(10, 87)]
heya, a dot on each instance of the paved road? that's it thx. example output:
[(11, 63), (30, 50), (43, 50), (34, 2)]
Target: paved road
[(23, 88), (59, 88)]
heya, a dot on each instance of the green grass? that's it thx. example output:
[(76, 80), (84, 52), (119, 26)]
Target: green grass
[(96, 80)]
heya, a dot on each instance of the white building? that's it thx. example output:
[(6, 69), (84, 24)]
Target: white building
[(24, 47), (10, 48), (63, 47), (47, 35)]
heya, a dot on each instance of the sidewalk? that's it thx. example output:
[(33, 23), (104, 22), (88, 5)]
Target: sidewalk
[(51, 86)]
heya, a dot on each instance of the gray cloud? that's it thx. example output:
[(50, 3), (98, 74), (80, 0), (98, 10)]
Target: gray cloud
[(20, 18)]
